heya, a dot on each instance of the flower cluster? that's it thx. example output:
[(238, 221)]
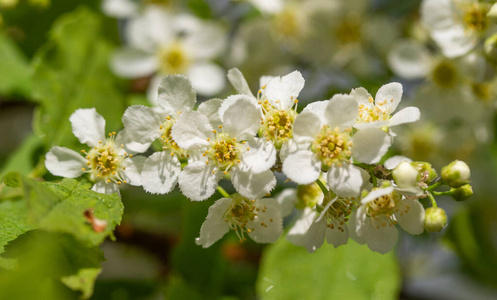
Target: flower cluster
[(331, 150)]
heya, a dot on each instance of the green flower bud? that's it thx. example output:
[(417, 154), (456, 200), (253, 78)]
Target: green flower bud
[(435, 219), (426, 171), (456, 174), (490, 47), (405, 175), (308, 195), (461, 193)]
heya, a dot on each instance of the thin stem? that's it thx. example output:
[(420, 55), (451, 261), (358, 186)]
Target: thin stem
[(432, 199), (323, 187), (222, 192), (447, 193), (434, 186)]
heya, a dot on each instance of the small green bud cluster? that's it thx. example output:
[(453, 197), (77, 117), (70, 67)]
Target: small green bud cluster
[(435, 219), (456, 174)]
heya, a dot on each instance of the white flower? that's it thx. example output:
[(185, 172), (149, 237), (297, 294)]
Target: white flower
[(106, 162), (260, 219), (277, 98), (377, 112), (268, 6), (378, 213), (120, 8), (456, 26), (170, 44), (323, 135), (146, 124), (232, 148)]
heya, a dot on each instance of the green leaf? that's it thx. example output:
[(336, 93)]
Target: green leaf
[(83, 281), (71, 72), (15, 73), (349, 272), (50, 263), (12, 222)]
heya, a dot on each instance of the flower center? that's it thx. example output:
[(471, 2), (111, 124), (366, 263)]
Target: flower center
[(225, 151), (286, 23), (173, 59), (167, 140), (332, 146), (385, 206), (445, 74), (241, 212), (277, 126), (483, 90), (372, 112), (338, 213), (104, 161), (475, 16), (349, 30)]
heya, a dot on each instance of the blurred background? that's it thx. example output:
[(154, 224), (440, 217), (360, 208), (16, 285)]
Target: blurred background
[(58, 55)]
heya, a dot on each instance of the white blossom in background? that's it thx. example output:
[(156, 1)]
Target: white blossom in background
[(277, 98), (165, 43), (324, 141), (120, 8), (107, 162), (456, 26), (377, 112), (260, 219), (380, 210), (231, 148)]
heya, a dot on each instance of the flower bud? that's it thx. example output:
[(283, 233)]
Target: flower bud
[(456, 174), (490, 47), (308, 195), (426, 171), (405, 175), (461, 193), (435, 219)]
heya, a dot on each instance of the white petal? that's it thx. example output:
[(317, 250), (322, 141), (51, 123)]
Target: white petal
[(210, 108), (160, 173), (362, 96), (318, 108), (302, 167), (288, 147), (394, 161), (355, 225), (261, 155), (410, 59), (130, 145), (198, 181), (411, 216), (263, 80), (191, 130), (132, 63), (241, 116), (306, 232), (119, 8), (88, 126), (341, 111), (377, 194), (142, 123), (287, 200), (251, 185), (214, 226), (207, 78), (61, 161), (152, 28), (455, 41), (270, 7), (134, 166), (345, 180), (238, 82), (336, 237), (283, 91), (306, 126), (379, 238), (206, 41), (273, 223), (103, 187), (392, 93), (370, 145), (176, 93), (407, 115)]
